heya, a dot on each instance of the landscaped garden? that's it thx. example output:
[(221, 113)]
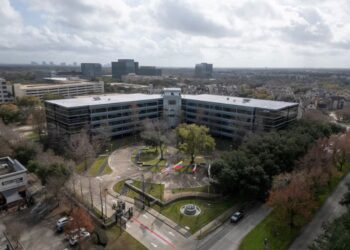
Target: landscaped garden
[(98, 167), (209, 211)]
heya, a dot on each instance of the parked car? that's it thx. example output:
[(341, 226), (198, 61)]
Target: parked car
[(237, 216), (81, 235), (61, 222)]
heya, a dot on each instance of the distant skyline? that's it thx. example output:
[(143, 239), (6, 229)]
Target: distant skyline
[(178, 33)]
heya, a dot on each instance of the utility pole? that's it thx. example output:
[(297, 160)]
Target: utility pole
[(143, 190)]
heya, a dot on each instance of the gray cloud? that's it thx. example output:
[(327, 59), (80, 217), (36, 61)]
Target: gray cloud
[(310, 28), (179, 16)]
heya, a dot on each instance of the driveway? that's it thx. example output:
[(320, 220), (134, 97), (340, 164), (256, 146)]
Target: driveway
[(229, 236), (330, 210)]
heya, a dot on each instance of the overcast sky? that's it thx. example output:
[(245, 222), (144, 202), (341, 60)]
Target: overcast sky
[(227, 33)]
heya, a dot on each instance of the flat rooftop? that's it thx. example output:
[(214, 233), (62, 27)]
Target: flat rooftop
[(103, 100), (239, 101), (9, 166)]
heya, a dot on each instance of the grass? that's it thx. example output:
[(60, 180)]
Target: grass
[(203, 189), (154, 189), (209, 211), (119, 186), (107, 170), (96, 165), (280, 235), (80, 168), (33, 136), (119, 239)]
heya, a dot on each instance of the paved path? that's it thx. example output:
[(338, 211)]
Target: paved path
[(328, 212), (228, 236)]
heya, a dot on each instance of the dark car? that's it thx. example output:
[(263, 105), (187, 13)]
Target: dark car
[(237, 216)]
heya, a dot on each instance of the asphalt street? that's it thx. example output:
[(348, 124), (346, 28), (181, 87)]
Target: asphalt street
[(228, 236)]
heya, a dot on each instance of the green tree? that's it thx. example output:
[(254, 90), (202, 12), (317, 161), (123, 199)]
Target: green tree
[(24, 153), (10, 113), (194, 139), (28, 101)]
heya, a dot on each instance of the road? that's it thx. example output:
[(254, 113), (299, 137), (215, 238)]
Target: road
[(228, 236), (328, 212)]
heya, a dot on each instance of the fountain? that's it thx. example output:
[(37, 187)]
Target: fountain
[(190, 209)]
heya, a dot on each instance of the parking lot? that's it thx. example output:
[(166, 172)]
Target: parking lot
[(40, 235)]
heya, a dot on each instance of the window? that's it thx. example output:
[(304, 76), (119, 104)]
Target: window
[(172, 102)]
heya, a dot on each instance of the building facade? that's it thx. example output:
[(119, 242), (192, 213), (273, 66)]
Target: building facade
[(91, 70), (122, 114), (6, 92), (149, 71), (234, 117), (124, 67), (69, 89), (13, 182), (203, 70), (116, 114)]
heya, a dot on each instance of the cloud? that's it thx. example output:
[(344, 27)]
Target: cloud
[(182, 17), (177, 33)]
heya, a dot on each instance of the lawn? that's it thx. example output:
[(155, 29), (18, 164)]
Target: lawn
[(154, 189), (119, 186), (107, 170), (203, 189), (279, 235), (209, 211), (119, 239), (96, 165)]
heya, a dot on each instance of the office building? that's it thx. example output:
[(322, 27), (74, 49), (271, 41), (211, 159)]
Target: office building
[(122, 114), (203, 70), (149, 71), (91, 70), (6, 92), (13, 183), (64, 89), (124, 67)]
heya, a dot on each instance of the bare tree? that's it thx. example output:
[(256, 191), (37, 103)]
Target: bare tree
[(81, 149), (39, 121), (157, 133)]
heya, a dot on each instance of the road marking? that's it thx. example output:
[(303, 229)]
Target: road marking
[(145, 216), (154, 245), (171, 233), (128, 226), (99, 178), (188, 228), (153, 232)]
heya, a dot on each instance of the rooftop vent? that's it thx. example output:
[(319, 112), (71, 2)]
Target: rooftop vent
[(96, 98), (228, 98), (246, 100)]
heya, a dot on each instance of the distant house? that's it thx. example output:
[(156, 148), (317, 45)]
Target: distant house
[(13, 183)]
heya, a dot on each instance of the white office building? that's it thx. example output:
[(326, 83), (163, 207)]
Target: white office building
[(122, 114), (66, 90)]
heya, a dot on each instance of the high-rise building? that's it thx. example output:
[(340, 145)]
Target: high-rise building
[(6, 92), (149, 71), (91, 70), (203, 70), (124, 67)]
